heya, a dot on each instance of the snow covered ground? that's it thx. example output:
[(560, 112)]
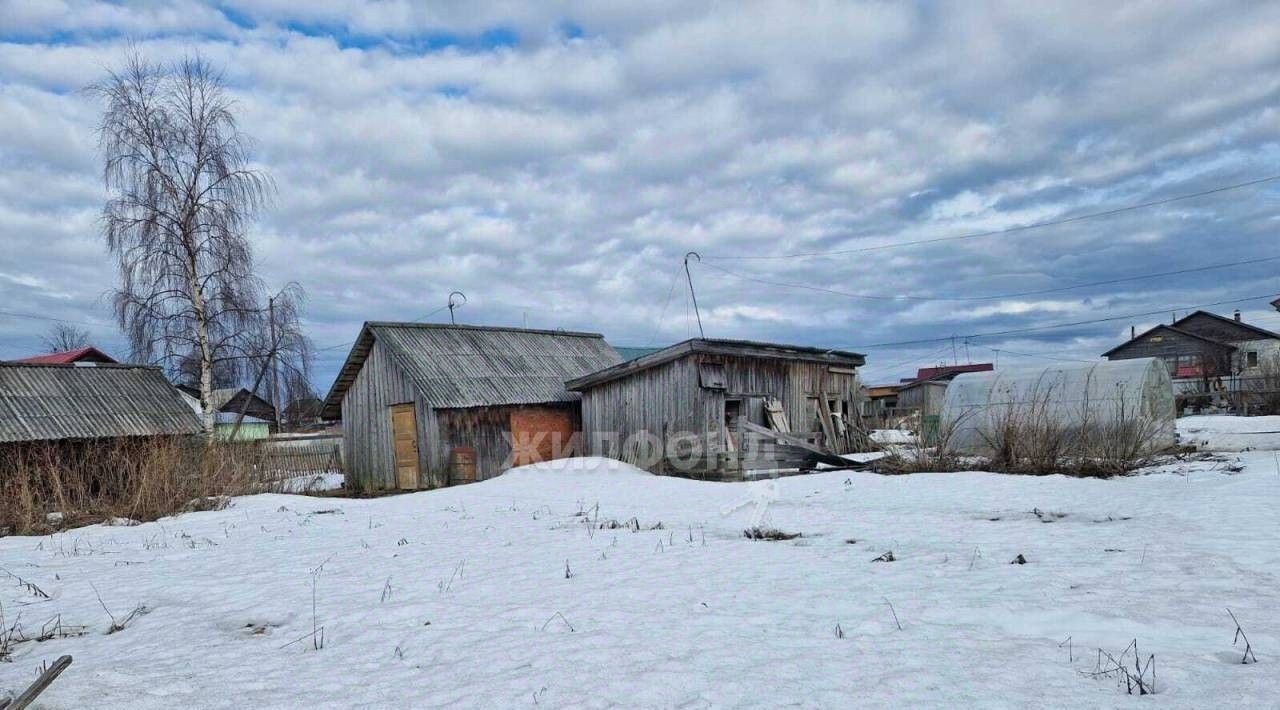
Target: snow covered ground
[(1226, 433), (509, 593)]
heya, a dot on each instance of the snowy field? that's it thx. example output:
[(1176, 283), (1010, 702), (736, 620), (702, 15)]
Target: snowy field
[(509, 593), (1224, 433)]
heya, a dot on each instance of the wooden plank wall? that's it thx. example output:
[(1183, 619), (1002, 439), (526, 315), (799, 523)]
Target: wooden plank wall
[(668, 399), (366, 421), (481, 428), (663, 398), (487, 430)]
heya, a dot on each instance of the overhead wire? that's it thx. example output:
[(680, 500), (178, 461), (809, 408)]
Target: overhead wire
[(1052, 326), (1006, 230), (415, 320), (1018, 294)]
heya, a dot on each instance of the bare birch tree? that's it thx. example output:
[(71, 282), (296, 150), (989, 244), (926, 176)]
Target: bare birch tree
[(182, 195), (62, 337)]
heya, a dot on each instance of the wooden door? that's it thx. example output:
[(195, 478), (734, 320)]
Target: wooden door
[(404, 437)]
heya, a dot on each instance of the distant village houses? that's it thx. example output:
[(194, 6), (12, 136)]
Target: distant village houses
[(1215, 361), (914, 397), (259, 419)]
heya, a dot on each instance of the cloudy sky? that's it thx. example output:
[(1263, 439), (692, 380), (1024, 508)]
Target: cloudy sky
[(556, 163)]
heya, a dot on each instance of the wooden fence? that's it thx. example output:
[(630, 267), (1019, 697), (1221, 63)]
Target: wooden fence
[(279, 460)]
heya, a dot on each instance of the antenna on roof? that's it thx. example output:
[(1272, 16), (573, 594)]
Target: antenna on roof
[(453, 305), (688, 275)]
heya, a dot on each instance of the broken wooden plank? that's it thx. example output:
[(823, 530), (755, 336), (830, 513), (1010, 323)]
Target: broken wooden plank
[(29, 695), (777, 415), (824, 455), (824, 418)]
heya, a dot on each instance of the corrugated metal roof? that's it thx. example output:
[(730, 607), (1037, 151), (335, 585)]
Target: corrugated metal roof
[(474, 366), (717, 346), (88, 354), (45, 402)]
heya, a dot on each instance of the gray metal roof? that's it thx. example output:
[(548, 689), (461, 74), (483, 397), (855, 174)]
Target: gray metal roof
[(474, 366), (47, 402), (717, 346)]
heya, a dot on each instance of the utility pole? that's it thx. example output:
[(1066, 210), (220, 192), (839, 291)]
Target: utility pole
[(275, 383)]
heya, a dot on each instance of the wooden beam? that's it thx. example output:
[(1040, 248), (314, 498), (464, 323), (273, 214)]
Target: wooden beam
[(824, 455), (824, 417), (29, 695)]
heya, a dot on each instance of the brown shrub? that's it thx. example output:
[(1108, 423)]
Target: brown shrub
[(137, 479)]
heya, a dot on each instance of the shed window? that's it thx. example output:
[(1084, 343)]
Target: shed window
[(1251, 359), (711, 375)]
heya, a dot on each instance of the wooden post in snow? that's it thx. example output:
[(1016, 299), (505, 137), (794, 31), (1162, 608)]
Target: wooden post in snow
[(29, 695)]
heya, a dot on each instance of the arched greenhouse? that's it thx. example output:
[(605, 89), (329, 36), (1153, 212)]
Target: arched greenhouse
[(1074, 409)]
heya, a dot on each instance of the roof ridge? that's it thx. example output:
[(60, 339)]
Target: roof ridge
[(81, 365), (1233, 321), (490, 328)]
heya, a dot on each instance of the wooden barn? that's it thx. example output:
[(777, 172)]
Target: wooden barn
[(426, 405), (44, 403), (723, 408)]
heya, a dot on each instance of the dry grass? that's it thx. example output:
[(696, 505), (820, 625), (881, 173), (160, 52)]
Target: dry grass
[(82, 483), (1031, 438), (919, 455)]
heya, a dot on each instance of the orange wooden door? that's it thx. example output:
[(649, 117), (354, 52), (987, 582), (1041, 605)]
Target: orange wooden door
[(404, 436)]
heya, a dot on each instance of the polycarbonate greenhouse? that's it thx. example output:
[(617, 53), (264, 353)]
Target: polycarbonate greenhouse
[(1136, 395)]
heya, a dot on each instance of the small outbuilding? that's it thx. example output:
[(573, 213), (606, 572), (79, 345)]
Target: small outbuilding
[(720, 409), (42, 403), (426, 405), (1132, 397)]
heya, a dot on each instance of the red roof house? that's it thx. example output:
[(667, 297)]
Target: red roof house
[(89, 354)]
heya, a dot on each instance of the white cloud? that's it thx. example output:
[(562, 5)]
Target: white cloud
[(564, 179)]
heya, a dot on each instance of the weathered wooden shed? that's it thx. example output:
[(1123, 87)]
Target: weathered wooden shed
[(923, 396), (425, 405), (721, 408)]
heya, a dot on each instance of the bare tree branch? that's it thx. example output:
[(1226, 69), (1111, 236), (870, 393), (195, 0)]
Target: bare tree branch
[(183, 195), (62, 337)]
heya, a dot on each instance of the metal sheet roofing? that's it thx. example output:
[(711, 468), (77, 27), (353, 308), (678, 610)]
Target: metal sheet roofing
[(49, 402), (717, 346), (473, 366), (87, 354)]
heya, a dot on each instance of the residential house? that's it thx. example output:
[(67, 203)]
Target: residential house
[(69, 357), (259, 416), (1209, 356)]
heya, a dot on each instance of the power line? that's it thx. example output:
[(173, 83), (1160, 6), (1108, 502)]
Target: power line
[(1052, 326), (657, 326), (33, 316), (1019, 294), (1011, 230), (997, 351), (415, 320)]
